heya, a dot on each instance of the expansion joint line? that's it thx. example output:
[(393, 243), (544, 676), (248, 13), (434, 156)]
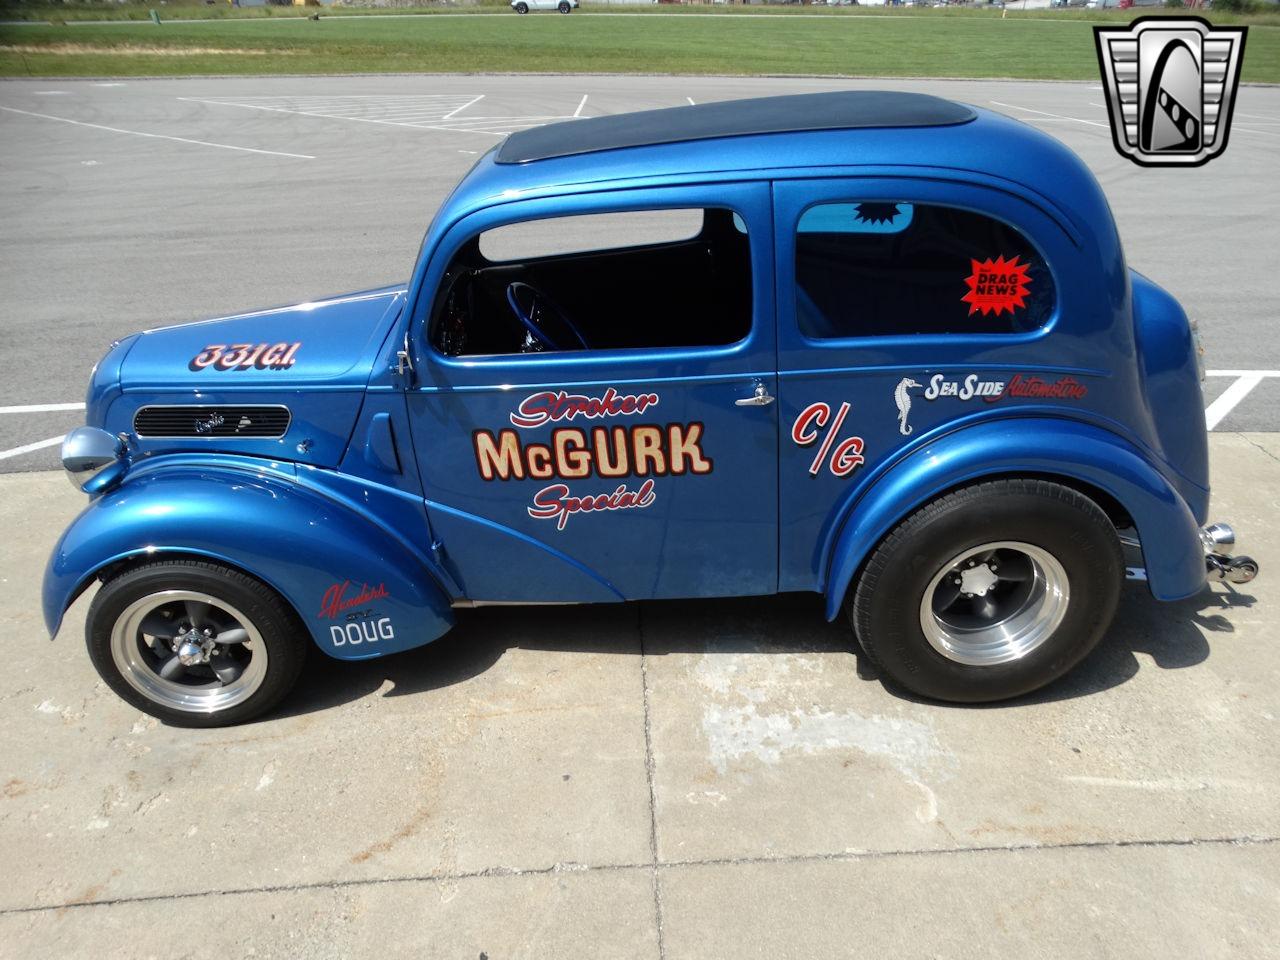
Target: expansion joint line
[(648, 772), (1245, 840)]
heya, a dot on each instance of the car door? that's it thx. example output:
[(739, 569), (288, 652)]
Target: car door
[(644, 466), (907, 307)]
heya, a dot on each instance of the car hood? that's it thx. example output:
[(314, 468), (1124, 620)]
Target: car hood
[(323, 343), (314, 359)]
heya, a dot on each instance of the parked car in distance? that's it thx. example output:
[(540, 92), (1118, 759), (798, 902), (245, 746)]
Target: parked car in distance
[(563, 6), (880, 347)]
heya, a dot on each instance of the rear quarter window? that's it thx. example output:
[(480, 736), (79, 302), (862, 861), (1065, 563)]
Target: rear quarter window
[(875, 269)]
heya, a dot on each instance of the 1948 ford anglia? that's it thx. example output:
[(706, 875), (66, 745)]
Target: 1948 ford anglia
[(879, 346)]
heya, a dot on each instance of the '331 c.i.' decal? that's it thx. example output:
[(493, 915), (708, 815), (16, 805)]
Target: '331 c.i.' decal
[(245, 356)]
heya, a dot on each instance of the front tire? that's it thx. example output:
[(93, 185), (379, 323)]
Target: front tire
[(990, 592), (522, 8), (194, 644), (564, 6)]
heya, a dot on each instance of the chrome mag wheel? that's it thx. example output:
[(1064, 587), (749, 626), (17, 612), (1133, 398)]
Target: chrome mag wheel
[(188, 651), (994, 603)]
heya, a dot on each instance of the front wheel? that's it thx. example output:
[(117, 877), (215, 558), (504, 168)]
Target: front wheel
[(522, 8), (194, 644), (564, 6), (990, 592)]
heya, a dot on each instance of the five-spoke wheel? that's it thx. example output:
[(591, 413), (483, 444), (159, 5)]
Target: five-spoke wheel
[(189, 651), (194, 643)]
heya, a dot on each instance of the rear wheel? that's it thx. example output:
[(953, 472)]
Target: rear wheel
[(990, 592), (195, 644), (564, 6), (522, 8)]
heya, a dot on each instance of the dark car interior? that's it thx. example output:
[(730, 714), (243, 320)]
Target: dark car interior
[(694, 292), (853, 283)]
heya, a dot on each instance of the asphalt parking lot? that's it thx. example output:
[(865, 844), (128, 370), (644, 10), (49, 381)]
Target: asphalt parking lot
[(140, 203), (659, 780)]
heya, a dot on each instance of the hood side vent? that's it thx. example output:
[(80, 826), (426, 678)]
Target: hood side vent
[(218, 421)]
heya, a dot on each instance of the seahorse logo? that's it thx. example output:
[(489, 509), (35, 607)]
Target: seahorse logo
[(902, 397)]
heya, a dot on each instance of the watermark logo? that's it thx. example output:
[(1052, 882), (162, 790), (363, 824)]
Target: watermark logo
[(1170, 86)]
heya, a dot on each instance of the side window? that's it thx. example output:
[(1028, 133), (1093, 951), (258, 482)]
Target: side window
[(891, 269), (611, 281)]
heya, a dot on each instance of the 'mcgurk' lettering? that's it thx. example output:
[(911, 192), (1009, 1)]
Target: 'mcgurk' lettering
[(646, 450)]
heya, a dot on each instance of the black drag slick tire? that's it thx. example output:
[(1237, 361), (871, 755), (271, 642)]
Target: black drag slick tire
[(279, 634), (886, 608)]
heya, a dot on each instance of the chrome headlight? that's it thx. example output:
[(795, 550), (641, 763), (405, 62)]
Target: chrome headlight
[(93, 458)]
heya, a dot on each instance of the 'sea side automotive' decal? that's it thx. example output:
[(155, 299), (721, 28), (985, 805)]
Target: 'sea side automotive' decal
[(973, 387), (614, 453), (245, 356)]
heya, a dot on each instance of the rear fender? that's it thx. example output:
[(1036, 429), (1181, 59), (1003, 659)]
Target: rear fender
[(360, 591), (1032, 446)]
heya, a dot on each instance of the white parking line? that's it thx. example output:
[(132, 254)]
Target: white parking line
[(331, 116), (454, 113), (1265, 133), (31, 447), (1227, 401), (582, 103), (435, 112), (1234, 126), (1242, 373), (158, 136), (42, 407), (1054, 116)]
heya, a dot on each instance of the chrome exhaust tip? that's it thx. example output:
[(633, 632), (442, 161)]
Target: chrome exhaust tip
[(1217, 538)]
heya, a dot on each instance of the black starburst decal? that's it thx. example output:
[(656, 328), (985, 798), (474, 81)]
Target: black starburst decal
[(875, 213)]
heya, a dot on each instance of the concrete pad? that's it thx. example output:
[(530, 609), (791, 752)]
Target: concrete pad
[(515, 743), (554, 915), (1189, 901), (490, 793), (766, 742)]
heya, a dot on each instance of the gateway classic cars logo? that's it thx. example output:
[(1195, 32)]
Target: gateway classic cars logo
[(1170, 87)]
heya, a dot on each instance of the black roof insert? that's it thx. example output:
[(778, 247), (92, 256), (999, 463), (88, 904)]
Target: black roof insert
[(843, 110)]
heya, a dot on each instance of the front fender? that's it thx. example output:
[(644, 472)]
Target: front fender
[(1031, 446), (360, 592)]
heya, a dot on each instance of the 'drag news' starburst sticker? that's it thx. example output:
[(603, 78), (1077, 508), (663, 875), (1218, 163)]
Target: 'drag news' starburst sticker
[(996, 286)]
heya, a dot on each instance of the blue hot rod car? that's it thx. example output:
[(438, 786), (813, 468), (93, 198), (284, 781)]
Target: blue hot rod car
[(879, 346)]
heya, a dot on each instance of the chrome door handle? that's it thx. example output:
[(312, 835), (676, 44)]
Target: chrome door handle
[(761, 397)]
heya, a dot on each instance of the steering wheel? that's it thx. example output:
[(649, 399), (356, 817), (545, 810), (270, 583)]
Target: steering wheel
[(546, 323)]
